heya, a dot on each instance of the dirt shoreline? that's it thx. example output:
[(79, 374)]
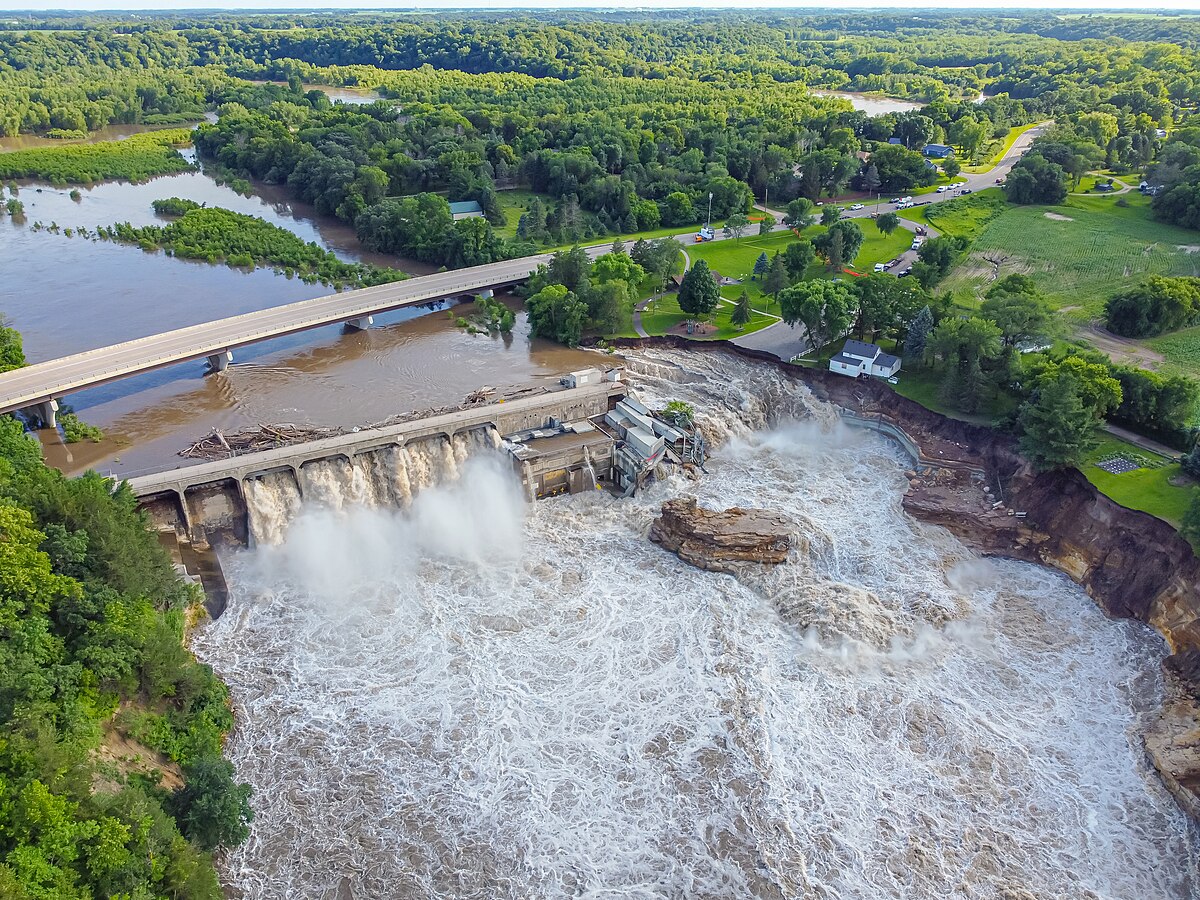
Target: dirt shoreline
[(976, 484)]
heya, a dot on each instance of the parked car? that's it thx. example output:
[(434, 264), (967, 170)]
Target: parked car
[(857, 206), (880, 267), (966, 190), (887, 265), (921, 230), (904, 273), (942, 188), (895, 200), (999, 181)]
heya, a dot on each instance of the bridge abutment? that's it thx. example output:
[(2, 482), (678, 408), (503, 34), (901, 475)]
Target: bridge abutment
[(219, 362)]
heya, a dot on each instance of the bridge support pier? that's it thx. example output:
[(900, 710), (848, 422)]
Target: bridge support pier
[(362, 323), (45, 413), (487, 294), (219, 362)]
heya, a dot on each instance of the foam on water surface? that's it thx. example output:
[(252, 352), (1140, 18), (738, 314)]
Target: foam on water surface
[(474, 696)]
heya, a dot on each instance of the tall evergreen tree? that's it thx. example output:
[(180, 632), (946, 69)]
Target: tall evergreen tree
[(1057, 427), (777, 276), (918, 335), (761, 265), (699, 294), (741, 312)]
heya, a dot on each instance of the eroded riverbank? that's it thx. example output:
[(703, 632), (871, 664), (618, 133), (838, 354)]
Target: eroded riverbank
[(475, 696), (1132, 564)]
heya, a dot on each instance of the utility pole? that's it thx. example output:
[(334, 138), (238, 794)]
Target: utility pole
[(708, 221)]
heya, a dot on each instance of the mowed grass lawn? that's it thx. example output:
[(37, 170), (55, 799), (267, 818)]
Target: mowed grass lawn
[(735, 259), (1080, 253), (1148, 489), (963, 216), (664, 314)]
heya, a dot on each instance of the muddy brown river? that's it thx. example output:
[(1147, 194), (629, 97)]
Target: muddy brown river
[(66, 295)]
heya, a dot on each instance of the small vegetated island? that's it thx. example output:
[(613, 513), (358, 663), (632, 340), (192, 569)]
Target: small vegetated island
[(1061, 305), (137, 158), (242, 241)]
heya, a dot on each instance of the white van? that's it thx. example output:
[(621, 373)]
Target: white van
[(879, 267)]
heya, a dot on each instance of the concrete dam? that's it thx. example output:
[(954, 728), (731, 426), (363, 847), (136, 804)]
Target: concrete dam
[(587, 434)]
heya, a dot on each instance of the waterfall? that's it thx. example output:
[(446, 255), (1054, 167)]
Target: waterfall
[(389, 477), (272, 501), (482, 697), (587, 461)]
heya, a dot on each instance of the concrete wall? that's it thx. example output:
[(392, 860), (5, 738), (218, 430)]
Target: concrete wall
[(206, 503)]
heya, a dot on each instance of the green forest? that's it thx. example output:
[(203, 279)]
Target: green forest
[(92, 616), (568, 128)]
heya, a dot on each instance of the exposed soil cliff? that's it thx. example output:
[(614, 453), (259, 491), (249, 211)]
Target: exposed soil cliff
[(976, 484)]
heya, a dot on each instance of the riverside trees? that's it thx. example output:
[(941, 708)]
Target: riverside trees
[(215, 234), (572, 294), (91, 626), (1069, 399)]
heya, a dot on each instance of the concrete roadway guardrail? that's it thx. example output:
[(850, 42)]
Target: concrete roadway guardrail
[(43, 382)]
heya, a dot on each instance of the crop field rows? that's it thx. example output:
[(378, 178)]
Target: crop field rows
[(1079, 257)]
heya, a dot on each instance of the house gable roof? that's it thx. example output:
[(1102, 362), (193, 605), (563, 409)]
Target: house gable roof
[(860, 349)]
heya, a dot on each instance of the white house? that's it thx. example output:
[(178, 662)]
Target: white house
[(857, 359)]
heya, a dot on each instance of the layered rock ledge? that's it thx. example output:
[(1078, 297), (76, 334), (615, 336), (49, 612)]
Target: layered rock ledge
[(720, 541)]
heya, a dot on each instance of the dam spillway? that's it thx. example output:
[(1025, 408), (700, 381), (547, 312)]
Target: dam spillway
[(209, 502), (478, 696)]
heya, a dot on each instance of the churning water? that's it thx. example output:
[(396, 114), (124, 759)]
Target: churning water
[(460, 694)]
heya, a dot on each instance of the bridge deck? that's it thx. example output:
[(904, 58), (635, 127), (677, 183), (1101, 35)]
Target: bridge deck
[(53, 379)]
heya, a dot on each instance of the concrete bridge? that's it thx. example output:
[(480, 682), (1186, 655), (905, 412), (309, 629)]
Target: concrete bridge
[(38, 387)]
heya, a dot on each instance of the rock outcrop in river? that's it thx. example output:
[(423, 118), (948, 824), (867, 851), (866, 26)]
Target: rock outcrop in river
[(719, 541), (975, 483)]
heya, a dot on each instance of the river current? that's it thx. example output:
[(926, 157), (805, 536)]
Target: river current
[(456, 693)]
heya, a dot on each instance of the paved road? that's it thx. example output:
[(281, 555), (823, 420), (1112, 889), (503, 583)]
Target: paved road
[(54, 379)]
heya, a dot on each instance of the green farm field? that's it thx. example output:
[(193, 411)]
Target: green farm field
[(1080, 253)]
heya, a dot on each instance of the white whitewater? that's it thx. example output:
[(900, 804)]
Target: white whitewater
[(479, 697)]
